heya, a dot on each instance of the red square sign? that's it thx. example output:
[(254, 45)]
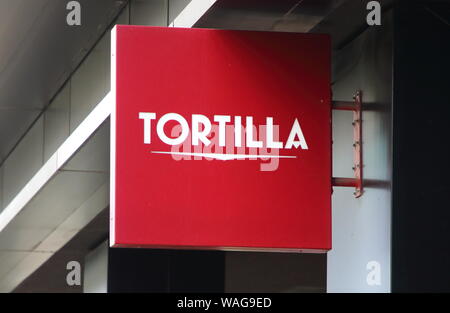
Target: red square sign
[(220, 139)]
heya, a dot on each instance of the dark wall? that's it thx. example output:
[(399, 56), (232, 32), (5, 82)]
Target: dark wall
[(175, 271), (148, 270), (421, 147)]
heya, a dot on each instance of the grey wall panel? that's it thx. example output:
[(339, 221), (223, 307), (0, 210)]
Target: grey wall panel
[(124, 16), (20, 119), (10, 259), (175, 7), (24, 162), (361, 254), (31, 228), (95, 278), (73, 103), (38, 52), (61, 197), (94, 155), (57, 122), (50, 276), (91, 82), (153, 13)]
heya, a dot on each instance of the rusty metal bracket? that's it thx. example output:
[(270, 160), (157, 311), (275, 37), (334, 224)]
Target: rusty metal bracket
[(357, 180)]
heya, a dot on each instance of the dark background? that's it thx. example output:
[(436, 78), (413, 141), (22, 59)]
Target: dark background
[(421, 147)]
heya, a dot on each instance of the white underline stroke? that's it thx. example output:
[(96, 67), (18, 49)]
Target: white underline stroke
[(226, 157)]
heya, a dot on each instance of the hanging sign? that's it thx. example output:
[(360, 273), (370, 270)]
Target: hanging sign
[(220, 139)]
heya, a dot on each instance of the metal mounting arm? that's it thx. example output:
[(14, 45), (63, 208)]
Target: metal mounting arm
[(357, 180)]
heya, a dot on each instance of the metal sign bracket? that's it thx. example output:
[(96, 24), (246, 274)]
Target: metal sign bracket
[(357, 181)]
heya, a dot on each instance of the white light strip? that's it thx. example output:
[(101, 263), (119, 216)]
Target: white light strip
[(226, 157), (89, 125), (112, 147), (74, 142), (192, 13)]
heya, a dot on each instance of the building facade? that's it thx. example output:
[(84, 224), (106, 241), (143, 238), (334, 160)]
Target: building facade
[(55, 150)]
